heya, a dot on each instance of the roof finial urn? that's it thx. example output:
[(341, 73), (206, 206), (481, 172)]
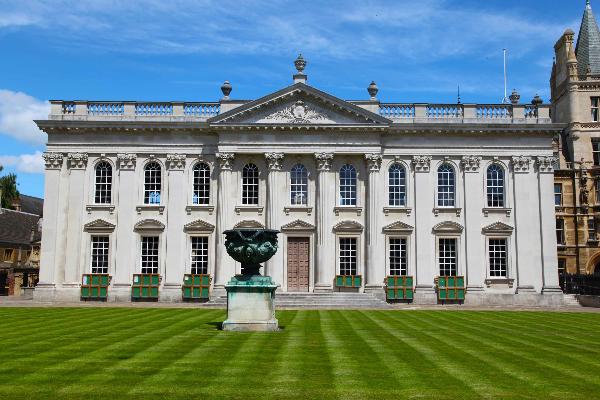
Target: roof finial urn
[(226, 88), (514, 97), (373, 90), (537, 100), (300, 64)]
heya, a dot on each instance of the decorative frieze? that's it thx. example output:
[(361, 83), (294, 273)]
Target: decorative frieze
[(274, 161), (126, 160), (545, 164), (176, 161), (53, 160), (521, 163), (373, 161), (421, 163), (77, 160), (470, 163), (324, 161), (225, 160)]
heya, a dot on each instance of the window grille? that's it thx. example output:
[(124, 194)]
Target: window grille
[(397, 185), (398, 258), (250, 184), (99, 259), (446, 186), (497, 252), (152, 183), (103, 183), (447, 258), (149, 255), (348, 185), (299, 185), (348, 256), (595, 109), (199, 255), (558, 200), (560, 231), (495, 186), (591, 223), (201, 184)]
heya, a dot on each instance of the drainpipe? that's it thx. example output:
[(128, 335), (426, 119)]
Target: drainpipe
[(575, 217)]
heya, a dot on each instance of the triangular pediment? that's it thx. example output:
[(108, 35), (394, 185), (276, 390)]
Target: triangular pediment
[(299, 104), (298, 225), (498, 227), (199, 226), (99, 225), (249, 224), (348, 226), (149, 225), (398, 227), (448, 227)]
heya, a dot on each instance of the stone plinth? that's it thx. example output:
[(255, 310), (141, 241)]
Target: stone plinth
[(250, 304)]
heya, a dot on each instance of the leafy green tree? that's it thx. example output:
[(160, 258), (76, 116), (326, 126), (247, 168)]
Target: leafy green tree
[(8, 187)]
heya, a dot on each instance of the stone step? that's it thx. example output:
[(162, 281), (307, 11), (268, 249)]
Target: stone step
[(318, 300), (571, 300)]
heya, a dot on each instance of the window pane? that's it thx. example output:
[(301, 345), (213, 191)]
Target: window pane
[(397, 185), (497, 251), (152, 183), (299, 185), (596, 152), (560, 231), (250, 184), (199, 255), (447, 257), (446, 185), (495, 186), (348, 256), (398, 258), (347, 185), (201, 184), (557, 194), (103, 183), (149, 255), (99, 258)]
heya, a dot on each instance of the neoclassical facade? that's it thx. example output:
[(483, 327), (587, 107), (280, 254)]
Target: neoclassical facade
[(357, 188)]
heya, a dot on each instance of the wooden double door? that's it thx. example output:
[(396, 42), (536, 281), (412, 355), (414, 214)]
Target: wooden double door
[(298, 262)]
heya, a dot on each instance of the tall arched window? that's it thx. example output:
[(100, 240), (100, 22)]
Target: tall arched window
[(250, 184), (348, 185), (152, 183), (446, 186), (201, 184), (299, 185), (397, 185), (495, 186), (103, 183)]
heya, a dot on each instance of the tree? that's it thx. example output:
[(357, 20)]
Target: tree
[(8, 188)]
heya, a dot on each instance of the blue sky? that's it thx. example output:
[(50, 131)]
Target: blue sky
[(416, 51)]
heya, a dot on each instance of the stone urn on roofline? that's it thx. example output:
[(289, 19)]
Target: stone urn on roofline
[(250, 295)]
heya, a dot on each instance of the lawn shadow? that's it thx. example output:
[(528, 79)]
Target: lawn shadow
[(219, 325)]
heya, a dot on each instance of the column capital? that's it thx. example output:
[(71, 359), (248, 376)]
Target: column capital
[(53, 160), (373, 161), (421, 163), (274, 161), (545, 165), (176, 162), (126, 160), (324, 161), (470, 163), (225, 160), (520, 163), (77, 160)]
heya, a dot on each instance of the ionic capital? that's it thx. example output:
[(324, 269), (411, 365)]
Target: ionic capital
[(176, 161), (470, 163), (274, 161), (225, 160), (126, 161), (324, 161), (520, 164), (53, 160), (373, 161), (421, 163), (77, 160), (545, 164)]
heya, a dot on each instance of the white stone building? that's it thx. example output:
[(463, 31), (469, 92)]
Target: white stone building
[(355, 187)]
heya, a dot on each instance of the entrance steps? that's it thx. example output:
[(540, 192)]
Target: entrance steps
[(571, 300), (319, 300)]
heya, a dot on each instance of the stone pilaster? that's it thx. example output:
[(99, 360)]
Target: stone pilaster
[(274, 267), (325, 201), (375, 243), (76, 163), (475, 254), (225, 266)]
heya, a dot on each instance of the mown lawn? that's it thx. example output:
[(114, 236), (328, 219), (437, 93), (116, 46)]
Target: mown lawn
[(127, 353)]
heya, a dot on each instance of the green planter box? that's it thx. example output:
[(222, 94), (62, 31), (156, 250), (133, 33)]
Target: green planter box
[(348, 281), (196, 287), (94, 286), (451, 288), (399, 287), (145, 286)]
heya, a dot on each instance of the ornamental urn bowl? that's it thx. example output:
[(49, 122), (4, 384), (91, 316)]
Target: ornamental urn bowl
[(251, 247)]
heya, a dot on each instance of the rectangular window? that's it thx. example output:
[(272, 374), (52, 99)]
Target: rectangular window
[(591, 222), (348, 256), (199, 256), (596, 152), (398, 258), (560, 231), (595, 109), (558, 200), (149, 254), (498, 257), (562, 266), (447, 257), (99, 260), (597, 189), (8, 254)]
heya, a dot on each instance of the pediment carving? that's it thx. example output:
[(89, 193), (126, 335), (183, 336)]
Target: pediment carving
[(498, 228), (199, 226), (149, 225), (398, 227), (99, 225), (448, 227), (249, 224), (298, 225), (348, 226)]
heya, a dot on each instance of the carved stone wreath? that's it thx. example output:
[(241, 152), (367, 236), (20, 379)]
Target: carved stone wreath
[(298, 113)]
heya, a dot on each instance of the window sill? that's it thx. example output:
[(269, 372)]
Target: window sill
[(249, 208), (100, 207), (507, 282), (199, 207), (308, 210), (438, 210), (593, 242), (398, 209), (496, 210), (348, 209), (150, 207)]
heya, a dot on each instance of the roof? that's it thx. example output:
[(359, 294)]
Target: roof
[(588, 44), (32, 205), (16, 227)]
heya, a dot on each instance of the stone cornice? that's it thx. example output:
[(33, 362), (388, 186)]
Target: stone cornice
[(324, 161), (176, 162), (53, 160), (373, 161), (274, 161), (126, 161), (77, 160)]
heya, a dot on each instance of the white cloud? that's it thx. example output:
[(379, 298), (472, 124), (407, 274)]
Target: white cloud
[(27, 163), (17, 112)]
